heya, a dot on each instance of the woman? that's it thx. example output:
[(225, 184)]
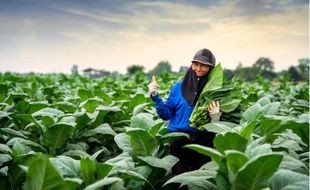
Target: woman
[(179, 106)]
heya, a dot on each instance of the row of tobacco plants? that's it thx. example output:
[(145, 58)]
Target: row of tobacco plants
[(71, 132)]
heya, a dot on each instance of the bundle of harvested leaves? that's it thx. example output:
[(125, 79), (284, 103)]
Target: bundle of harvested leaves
[(214, 90)]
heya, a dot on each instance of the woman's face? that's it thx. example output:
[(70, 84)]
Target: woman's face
[(200, 69)]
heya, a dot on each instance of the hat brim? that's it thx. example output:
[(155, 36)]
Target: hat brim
[(205, 63)]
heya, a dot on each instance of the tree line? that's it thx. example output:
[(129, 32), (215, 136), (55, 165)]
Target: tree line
[(263, 67)]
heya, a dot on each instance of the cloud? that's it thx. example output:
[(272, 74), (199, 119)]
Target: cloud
[(112, 35)]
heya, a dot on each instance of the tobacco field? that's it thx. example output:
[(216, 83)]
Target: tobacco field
[(68, 132)]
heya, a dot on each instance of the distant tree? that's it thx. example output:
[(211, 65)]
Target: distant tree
[(264, 64), (228, 74), (74, 70), (160, 67), (183, 69), (303, 67), (269, 74), (134, 68), (265, 68), (115, 73), (294, 74), (247, 73), (239, 66)]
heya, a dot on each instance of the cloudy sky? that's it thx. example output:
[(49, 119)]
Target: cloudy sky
[(52, 35)]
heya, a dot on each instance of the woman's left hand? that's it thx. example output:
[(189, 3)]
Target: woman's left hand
[(214, 111)]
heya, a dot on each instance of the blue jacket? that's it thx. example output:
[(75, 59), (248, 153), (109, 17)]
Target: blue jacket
[(176, 109)]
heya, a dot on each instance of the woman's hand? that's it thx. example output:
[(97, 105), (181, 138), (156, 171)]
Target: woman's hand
[(153, 87), (214, 111)]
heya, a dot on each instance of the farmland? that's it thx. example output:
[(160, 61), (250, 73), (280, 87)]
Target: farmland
[(72, 132)]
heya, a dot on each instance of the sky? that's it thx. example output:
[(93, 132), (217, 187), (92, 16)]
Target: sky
[(52, 35)]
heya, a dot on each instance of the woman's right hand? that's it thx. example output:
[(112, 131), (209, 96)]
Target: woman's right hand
[(153, 87)]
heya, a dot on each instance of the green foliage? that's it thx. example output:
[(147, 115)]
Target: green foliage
[(42, 175), (264, 64), (72, 132), (303, 67), (162, 66)]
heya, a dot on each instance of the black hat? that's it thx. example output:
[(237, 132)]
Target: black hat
[(204, 56)]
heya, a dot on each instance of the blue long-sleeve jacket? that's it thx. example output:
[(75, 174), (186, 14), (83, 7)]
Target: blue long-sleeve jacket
[(175, 109)]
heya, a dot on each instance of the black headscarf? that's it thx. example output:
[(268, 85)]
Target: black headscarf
[(192, 86)]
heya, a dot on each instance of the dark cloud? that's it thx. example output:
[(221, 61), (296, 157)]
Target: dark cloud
[(260, 7), (58, 21)]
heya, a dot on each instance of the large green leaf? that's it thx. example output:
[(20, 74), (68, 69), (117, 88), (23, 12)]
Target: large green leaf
[(37, 105), (252, 113), (21, 120), (47, 112), (78, 154), (4, 158), (57, 134), (66, 166), (129, 174), (215, 79), (91, 170), (257, 147), (22, 106), (12, 133), (42, 175), (107, 99), (197, 180), (85, 94), (170, 137), (143, 121), (103, 169), (103, 182), (88, 170), (219, 127), (229, 105), (73, 183), (156, 128), (4, 115), (142, 142), (101, 112), (20, 149), (255, 174), (91, 104), (222, 177), (288, 180), (235, 159), (230, 141), (82, 119), (139, 108), (294, 164), (123, 142), (5, 149), (247, 130), (165, 163), (35, 146), (298, 124), (289, 141), (271, 109), (136, 100), (122, 161), (214, 154), (103, 129), (264, 101), (15, 97), (66, 106)]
